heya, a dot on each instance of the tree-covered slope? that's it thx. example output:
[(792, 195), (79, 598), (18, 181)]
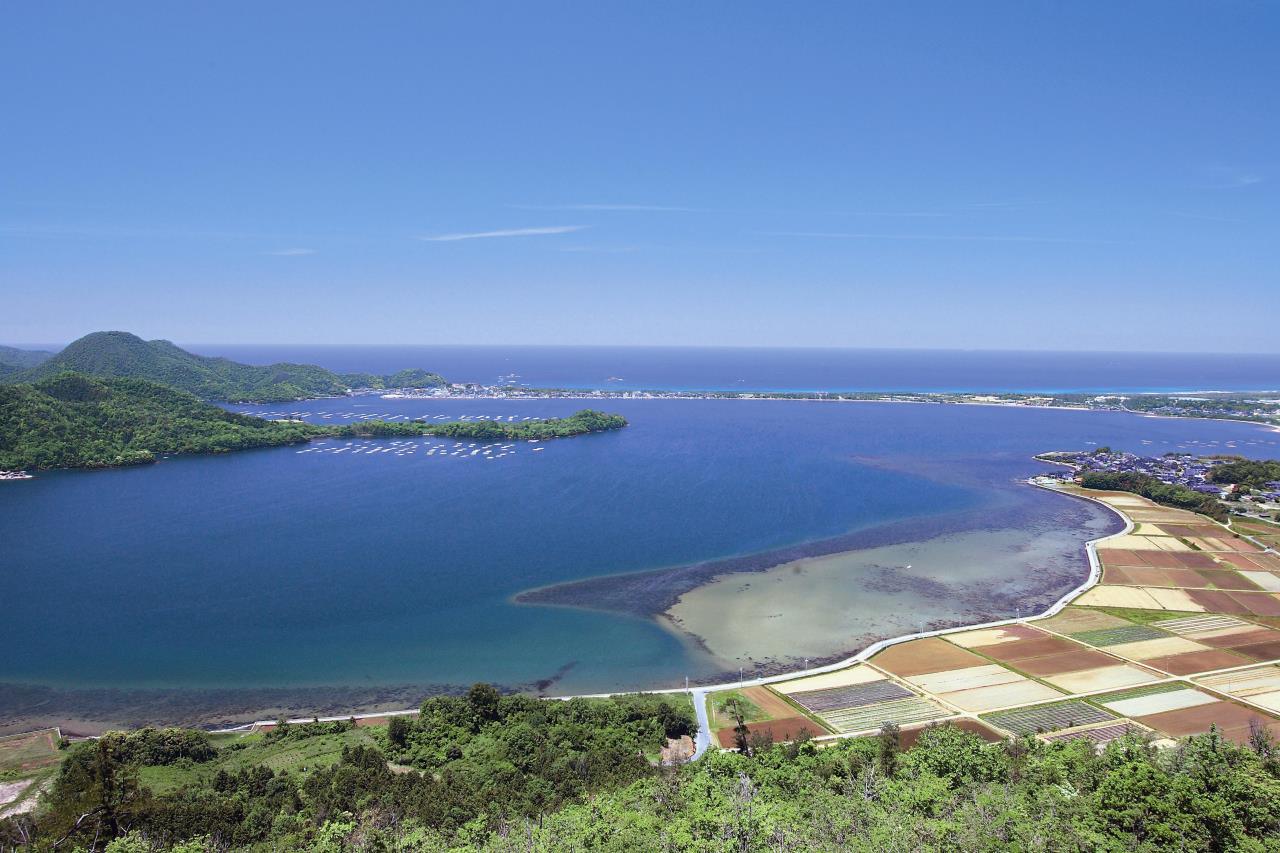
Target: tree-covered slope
[(507, 773), (127, 355), (71, 420), (14, 359), (580, 422)]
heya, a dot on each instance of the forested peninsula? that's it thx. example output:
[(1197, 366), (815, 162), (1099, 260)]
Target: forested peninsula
[(121, 354), (74, 421)]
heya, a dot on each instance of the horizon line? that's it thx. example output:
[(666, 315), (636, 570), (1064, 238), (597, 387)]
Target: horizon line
[(46, 345)]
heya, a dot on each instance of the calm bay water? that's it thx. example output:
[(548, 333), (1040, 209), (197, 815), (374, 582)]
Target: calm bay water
[(276, 567)]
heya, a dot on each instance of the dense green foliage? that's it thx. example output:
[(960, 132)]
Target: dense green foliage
[(160, 747), (579, 423), (13, 359), (75, 421), (466, 765), (1249, 472), (69, 420), (126, 355), (507, 773), (1153, 489)]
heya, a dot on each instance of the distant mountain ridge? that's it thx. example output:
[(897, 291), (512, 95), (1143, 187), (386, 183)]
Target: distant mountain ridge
[(122, 354), (13, 360)]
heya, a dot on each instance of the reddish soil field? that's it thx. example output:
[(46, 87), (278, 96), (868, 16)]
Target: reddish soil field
[(1066, 662), (911, 735), (1244, 638), (918, 657), (1120, 557), (373, 721), (1261, 651), (1189, 662), (1196, 561), (1261, 604), (769, 702), (1192, 529), (1190, 721), (1164, 559), (1231, 580), (1020, 650), (788, 728), (1218, 602), (1121, 574), (1189, 578)]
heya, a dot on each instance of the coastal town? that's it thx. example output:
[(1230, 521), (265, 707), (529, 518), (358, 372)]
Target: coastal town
[(1258, 407), (1175, 469)]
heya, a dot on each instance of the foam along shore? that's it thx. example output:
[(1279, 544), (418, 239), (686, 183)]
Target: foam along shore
[(826, 606)]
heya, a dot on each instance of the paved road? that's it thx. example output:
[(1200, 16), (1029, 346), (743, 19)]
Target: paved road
[(703, 741)]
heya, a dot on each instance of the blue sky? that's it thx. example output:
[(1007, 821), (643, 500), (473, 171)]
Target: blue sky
[(988, 175)]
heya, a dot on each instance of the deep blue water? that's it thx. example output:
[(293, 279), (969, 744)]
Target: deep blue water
[(741, 369), (276, 567)]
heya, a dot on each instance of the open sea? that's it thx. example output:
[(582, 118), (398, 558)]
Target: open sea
[(396, 563)]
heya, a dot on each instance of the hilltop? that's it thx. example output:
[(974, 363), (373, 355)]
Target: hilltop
[(121, 354)]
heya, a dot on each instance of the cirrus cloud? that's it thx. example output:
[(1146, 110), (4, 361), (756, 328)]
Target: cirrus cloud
[(505, 232)]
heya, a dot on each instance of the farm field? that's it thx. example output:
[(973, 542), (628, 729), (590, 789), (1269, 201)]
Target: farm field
[(27, 762), (1180, 598)]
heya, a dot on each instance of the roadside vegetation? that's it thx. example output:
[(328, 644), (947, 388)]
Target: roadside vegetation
[(491, 772), (464, 768)]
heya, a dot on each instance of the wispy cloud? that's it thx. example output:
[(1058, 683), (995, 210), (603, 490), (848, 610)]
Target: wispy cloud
[(290, 253), (956, 238), (505, 232), (1230, 178), (638, 208)]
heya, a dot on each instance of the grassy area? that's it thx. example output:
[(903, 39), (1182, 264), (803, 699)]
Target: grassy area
[(720, 718), (240, 751), (1144, 617), (1265, 532), (28, 753)]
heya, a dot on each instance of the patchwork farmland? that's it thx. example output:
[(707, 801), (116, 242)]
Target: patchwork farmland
[(1177, 636)]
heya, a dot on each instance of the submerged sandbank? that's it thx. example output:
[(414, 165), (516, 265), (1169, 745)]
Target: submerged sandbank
[(833, 605)]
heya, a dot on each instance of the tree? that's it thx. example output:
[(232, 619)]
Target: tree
[(398, 728), (890, 746)]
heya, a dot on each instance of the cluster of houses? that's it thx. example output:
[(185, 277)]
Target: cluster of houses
[(1181, 469)]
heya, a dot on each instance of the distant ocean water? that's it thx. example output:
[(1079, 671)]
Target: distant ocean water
[(744, 369)]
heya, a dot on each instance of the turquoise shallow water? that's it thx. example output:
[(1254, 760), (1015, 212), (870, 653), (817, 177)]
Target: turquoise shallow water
[(276, 567)]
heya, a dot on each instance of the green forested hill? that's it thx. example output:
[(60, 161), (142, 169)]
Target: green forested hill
[(14, 360), (71, 420), (127, 355), (507, 773), (75, 421)]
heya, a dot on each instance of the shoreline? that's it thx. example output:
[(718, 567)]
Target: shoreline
[(842, 662)]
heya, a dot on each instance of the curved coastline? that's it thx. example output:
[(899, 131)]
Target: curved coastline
[(698, 692)]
